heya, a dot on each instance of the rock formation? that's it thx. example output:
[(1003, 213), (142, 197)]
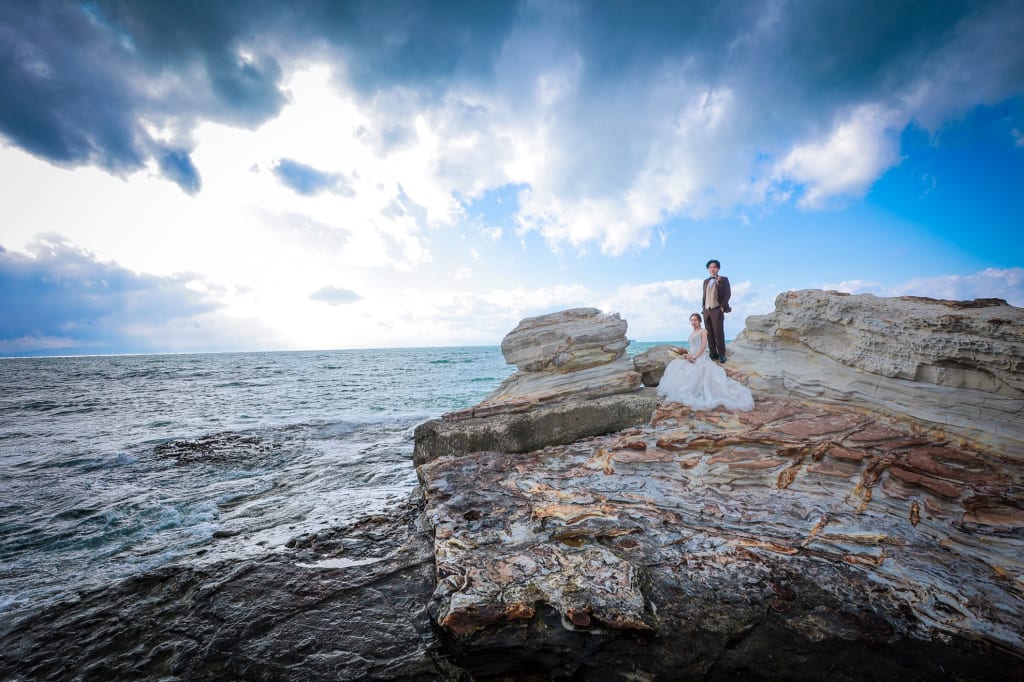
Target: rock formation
[(796, 541), (574, 380), (565, 341), (578, 353), (652, 362), (955, 366), (840, 529)]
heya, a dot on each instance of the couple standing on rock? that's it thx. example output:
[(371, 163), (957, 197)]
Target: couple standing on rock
[(695, 380)]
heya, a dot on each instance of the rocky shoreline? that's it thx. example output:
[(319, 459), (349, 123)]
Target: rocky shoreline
[(864, 521)]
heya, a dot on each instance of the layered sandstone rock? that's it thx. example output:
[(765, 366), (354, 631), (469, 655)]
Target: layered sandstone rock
[(565, 341), (794, 539), (616, 376), (574, 381), (955, 366), (530, 426), (578, 353), (864, 521)]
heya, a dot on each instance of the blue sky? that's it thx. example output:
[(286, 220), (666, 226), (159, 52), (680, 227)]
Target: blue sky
[(254, 176)]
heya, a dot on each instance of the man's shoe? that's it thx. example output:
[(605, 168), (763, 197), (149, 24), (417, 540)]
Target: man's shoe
[(721, 358), (714, 357)]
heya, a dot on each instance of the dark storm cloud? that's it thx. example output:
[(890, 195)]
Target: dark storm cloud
[(177, 166), (335, 295), (811, 50), (307, 181), (422, 42), (63, 298), (82, 80), (793, 69)]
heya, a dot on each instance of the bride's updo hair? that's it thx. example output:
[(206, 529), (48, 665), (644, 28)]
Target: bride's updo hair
[(693, 315)]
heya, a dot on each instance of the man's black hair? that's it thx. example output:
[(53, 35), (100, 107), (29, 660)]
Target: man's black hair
[(708, 265)]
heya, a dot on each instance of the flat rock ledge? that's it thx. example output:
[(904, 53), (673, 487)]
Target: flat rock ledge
[(954, 366), (801, 540), (521, 426)]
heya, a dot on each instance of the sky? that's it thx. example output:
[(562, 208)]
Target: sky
[(244, 175)]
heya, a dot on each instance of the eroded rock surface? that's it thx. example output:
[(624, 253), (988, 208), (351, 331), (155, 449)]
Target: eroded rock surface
[(611, 378), (344, 605), (572, 354), (792, 540), (955, 365), (565, 341)]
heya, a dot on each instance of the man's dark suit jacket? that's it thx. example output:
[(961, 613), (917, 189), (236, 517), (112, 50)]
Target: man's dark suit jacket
[(724, 294)]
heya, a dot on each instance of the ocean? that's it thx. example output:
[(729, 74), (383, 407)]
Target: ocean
[(113, 465)]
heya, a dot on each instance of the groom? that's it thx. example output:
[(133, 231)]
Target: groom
[(716, 304)]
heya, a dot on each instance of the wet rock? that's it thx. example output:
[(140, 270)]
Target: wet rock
[(350, 606), (953, 366), (652, 362), (797, 538), (229, 447)]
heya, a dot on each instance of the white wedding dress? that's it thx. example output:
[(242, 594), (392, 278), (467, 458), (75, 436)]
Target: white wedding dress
[(702, 384)]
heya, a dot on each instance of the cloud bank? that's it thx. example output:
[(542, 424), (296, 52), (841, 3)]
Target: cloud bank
[(1004, 283), (613, 118), (62, 300)]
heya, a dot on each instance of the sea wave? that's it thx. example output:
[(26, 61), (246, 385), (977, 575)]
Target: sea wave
[(115, 465)]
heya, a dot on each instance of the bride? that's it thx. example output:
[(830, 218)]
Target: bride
[(696, 381)]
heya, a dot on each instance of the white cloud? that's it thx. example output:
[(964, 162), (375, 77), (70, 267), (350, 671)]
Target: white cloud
[(1007, 284), (436, 317), (1004, 283), (36, 344), (847, 160), (668, 142), (656, 310), (855, 286), (334, 296)]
